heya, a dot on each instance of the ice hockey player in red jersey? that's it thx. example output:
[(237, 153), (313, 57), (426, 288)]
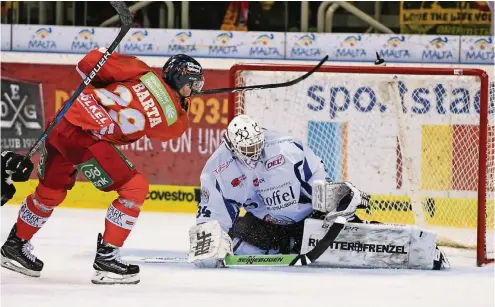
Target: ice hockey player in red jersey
[(127, 101)]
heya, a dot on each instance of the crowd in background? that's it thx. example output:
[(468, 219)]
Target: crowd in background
[(279, 16)]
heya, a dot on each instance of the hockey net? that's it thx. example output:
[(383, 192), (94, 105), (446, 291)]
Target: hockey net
[(419, 140)]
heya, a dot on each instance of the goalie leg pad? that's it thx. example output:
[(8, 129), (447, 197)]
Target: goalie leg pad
[(209, 244), (374, 246)]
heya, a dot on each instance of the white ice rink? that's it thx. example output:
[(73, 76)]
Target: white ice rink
[(67, 245)]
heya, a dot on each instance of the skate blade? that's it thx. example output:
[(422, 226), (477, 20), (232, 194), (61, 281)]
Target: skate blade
[(16, 267), (108, 278)]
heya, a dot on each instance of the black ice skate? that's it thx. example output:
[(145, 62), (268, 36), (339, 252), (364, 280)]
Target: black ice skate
[(16, 256), (110, 269)]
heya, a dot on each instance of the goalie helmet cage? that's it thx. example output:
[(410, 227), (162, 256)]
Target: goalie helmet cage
[(431, 164)]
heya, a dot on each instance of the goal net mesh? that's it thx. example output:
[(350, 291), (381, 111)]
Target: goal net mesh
[(420, 165)]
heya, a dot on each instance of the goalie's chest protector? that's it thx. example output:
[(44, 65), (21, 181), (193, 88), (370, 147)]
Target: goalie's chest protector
[(274, 185)]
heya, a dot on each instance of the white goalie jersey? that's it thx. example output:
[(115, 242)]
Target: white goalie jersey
[(277, 190)]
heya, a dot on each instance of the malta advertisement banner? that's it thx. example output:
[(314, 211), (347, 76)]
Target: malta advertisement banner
[(204, 43), (477, 49), (22, 114), (445, 17), (363, 47), (348, 47), (61, 39), (307, 46), (6, 37)]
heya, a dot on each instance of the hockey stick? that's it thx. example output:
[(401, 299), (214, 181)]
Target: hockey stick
[(265, 260), (263, 86), (126, 22)]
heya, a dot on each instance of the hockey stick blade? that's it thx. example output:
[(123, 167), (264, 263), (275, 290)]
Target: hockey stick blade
[(263, 86), (264, 260), (126, 22), (250, 260)]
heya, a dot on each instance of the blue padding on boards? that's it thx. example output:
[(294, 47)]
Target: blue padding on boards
[(327, 141)]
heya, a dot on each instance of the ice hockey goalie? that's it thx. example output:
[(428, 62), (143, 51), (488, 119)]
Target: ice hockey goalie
[(289, 202)]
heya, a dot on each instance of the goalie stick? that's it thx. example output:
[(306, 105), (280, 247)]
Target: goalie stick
[(126, 22), (265, 260), (262, 86)]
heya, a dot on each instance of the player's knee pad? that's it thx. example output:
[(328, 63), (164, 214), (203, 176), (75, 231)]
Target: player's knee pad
[(45, 198), (133, 193)]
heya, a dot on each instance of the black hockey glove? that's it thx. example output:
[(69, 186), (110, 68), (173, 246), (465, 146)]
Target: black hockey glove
[(8, 191), (15, 164)]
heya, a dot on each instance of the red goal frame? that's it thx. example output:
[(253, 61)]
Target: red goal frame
[(481, 254)]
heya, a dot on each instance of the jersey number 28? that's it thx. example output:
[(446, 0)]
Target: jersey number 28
[(129, 120)]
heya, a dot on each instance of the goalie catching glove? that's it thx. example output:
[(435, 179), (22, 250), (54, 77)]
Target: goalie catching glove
[(338, 199), (209, 245)]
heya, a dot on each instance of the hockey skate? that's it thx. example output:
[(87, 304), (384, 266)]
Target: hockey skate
[(16, 256), (110, 269)]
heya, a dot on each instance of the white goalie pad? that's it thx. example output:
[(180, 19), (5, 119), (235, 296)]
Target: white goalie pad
[(209, 243), (374, 246)]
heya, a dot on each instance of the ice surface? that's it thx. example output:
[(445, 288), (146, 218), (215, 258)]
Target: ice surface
[(67, 244)]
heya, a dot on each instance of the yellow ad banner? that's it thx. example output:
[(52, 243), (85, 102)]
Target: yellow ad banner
[(161, 198), (445, 17), (439, 211)]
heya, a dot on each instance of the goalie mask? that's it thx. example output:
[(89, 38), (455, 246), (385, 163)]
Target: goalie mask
[(245, 139)]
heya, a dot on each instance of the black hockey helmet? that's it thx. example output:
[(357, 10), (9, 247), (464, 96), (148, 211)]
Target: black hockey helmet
[(181, 70)]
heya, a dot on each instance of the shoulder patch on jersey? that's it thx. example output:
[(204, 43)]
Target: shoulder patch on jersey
[(154, 85), (205, 195), (274, 162)]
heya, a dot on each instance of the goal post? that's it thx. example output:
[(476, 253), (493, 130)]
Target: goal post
[(419, 140)]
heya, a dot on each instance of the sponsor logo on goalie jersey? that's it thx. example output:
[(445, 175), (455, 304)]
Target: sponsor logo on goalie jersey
[(363, 247), (237, 181), (257, 181), (279, 199), (274, 162), (223, 166)]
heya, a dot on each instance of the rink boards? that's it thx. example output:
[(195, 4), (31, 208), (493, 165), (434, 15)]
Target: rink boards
[(184, 199)]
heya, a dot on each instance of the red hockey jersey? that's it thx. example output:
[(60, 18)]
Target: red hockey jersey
[(128, 101)]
